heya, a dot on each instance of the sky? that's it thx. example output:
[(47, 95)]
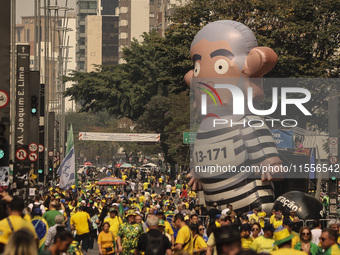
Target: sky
[(26, 7)]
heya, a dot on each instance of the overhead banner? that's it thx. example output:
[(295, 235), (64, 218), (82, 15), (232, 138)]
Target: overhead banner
[(283, 138), (119, 137)]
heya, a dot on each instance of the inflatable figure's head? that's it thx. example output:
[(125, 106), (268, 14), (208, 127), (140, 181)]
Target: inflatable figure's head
[(228, 49)]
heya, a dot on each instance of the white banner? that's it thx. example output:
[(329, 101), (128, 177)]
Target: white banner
[(119, 137)]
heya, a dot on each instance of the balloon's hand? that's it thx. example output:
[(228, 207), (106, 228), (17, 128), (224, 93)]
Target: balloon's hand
[(270, 169), (194, 183)]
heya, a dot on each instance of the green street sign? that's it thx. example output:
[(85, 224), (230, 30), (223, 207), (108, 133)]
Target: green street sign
[(189, 137)]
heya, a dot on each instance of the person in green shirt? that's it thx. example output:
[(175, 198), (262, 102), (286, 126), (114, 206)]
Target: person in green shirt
[(306, 245), (328, 242), (49, 216), (128, 235)]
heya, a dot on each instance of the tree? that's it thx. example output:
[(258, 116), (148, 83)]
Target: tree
[(123, 90)]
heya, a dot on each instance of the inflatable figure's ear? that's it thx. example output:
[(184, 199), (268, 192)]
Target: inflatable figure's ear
[(187, 78), (259, 61)]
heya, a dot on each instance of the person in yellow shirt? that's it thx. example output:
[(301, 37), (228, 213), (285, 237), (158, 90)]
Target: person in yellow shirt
[(289, 225), (115, 221), (14, 222), (80, 222), (272, 217), (264, 243), (173, 191), (283, 240), (124, 176), (160, 181), (106, 240), (199, 245), (261, 215), (192, 194), (145, 185), (292, 215), (278, 220), (246, 240), (142, 197), (184, 241), (254, 217)]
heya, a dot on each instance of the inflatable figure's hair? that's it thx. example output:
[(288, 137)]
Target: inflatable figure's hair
[(241, 39)]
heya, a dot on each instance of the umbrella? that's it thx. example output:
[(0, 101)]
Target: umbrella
[(118, 165), (111, 181), (149, 165), (126, 165), (88, 164)]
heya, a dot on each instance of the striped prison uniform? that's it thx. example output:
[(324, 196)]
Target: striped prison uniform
[(238, 146)]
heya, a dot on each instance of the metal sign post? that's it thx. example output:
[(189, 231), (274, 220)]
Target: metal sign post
[(333, 185)]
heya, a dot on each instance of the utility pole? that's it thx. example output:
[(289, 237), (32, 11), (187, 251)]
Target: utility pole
[(333, 128)]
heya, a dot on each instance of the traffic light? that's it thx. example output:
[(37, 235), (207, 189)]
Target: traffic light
[(34, 105), (40, 175), (50, 166), (4, 157)]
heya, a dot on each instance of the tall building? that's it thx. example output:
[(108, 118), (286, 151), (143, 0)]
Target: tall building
[(101, 41), (98, 37), (108, 7), (135, 18), (84, 8)]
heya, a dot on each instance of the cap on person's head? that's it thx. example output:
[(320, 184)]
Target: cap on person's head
[(218, 216), (268, 227), (245, 227), (161, 223), (215, 204), (282, 236), (130, 213), (112, 210), (59, 219)]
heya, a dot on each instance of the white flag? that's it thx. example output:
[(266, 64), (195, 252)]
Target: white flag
[(67, 169)]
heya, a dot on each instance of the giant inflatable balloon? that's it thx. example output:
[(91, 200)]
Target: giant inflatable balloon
[(301, 203), (228, 64)]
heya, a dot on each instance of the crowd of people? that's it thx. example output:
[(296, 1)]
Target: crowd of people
[(150, 215)]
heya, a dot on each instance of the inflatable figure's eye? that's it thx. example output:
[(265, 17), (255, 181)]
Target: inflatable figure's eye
[(221, 66), (197, 68)]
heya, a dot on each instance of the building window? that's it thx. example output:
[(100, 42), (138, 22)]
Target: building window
[(152, 15), (19, 35), (28, 35), (93, 53), (93, 5)]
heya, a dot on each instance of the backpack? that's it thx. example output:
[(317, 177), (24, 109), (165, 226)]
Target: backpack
[(154, 245)]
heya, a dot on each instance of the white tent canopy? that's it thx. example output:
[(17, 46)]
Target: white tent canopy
[(149, 165)]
